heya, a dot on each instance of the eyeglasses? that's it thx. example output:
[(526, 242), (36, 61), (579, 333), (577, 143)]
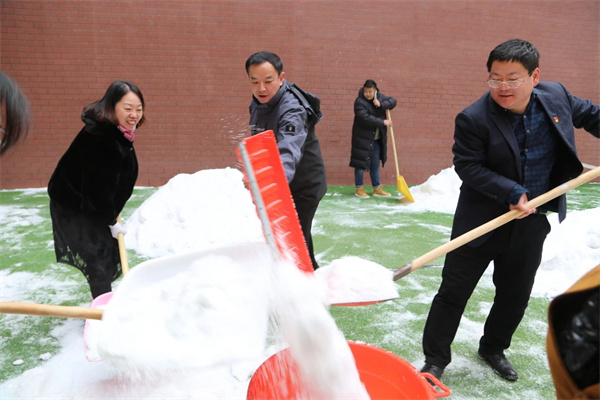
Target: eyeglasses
[(496, 84)]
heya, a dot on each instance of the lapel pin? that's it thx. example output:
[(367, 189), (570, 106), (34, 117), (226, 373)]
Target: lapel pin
[(556, 119)]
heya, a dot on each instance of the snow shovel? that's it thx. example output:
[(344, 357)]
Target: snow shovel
[(273, 200), (49, 310), (402, 186), (495, 223)]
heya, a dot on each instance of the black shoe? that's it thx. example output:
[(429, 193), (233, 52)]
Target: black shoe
[(501, 366), (433, 370)]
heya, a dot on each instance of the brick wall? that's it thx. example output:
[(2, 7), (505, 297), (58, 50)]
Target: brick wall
[(188, 58)]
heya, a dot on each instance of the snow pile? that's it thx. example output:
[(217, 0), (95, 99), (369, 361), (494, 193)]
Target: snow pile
[(194, 212)]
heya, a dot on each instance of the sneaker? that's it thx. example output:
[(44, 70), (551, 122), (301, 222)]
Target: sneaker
[(360, 192), (379, 192)]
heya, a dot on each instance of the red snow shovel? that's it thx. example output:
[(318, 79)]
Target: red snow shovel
[(273, 199)]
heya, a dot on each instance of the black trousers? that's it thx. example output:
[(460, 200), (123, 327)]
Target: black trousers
[(516, 249), (306, 208)]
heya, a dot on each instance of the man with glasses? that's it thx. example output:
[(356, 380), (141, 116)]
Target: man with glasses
[(513, 144)]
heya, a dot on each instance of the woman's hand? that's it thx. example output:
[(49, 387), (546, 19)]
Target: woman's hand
[(116, 229)]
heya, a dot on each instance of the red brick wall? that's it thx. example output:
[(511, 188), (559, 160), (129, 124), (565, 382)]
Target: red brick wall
[(188, 58)]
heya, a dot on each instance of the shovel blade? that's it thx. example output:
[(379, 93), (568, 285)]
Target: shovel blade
[(403, 189)]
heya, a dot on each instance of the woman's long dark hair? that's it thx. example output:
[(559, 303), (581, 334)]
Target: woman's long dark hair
[(103, 110), (18, 114)]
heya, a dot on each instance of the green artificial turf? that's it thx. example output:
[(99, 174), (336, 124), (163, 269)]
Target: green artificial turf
[(376, 229)]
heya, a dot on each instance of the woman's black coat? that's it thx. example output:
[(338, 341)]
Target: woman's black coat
[(367, 118), (88, 189)]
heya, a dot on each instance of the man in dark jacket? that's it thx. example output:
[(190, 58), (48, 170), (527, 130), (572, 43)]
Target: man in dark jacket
[(369, 136), (513, 144), (274, 107)]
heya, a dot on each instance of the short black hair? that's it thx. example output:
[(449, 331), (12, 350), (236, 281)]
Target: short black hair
[(262, 57), (370, 83), (516, 50)]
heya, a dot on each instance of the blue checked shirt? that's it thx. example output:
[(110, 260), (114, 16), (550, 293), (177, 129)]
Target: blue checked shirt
[(537, 147)]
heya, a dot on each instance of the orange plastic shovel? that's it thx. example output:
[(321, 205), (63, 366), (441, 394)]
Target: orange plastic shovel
[(273, 199)]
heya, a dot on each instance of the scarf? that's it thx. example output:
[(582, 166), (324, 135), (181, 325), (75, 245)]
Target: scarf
[(129, 134)]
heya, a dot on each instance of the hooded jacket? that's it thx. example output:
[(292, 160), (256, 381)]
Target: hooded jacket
[(296, 140), (367, 118)]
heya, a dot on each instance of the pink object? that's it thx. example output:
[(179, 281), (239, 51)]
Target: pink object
[(89, 335), (128, 133)]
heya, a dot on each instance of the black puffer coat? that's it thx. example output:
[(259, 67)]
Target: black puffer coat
[(367, 118)]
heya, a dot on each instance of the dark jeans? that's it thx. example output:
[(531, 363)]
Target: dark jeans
[(516, 249), (373, 167)]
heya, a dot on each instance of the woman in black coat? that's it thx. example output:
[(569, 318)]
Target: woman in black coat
[(91, 184), (369, 136)]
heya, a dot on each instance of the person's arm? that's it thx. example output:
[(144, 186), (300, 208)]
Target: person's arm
[(291, 136), (361, 111), (586, 115), (472, 160), (387, 103), (101, 163)]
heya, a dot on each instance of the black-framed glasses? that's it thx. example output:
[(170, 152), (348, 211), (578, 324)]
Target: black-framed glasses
[(496, 84)]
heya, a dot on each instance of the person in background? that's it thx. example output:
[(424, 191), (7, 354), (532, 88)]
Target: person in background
[(369, 137), (92, 182), (15, 115), (513, 144), (275, 107)]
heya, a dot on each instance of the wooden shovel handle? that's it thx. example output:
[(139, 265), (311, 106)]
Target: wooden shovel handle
[(47, 310), (122, 250), (495, 223), (389, 116)]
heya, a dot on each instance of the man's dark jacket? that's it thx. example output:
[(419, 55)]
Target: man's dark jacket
[(296, 140), (486, 154)]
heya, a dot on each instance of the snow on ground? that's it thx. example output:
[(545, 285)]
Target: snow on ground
[(187, 216)]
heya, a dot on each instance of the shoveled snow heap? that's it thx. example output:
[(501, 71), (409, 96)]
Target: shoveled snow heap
[(187, 214)]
